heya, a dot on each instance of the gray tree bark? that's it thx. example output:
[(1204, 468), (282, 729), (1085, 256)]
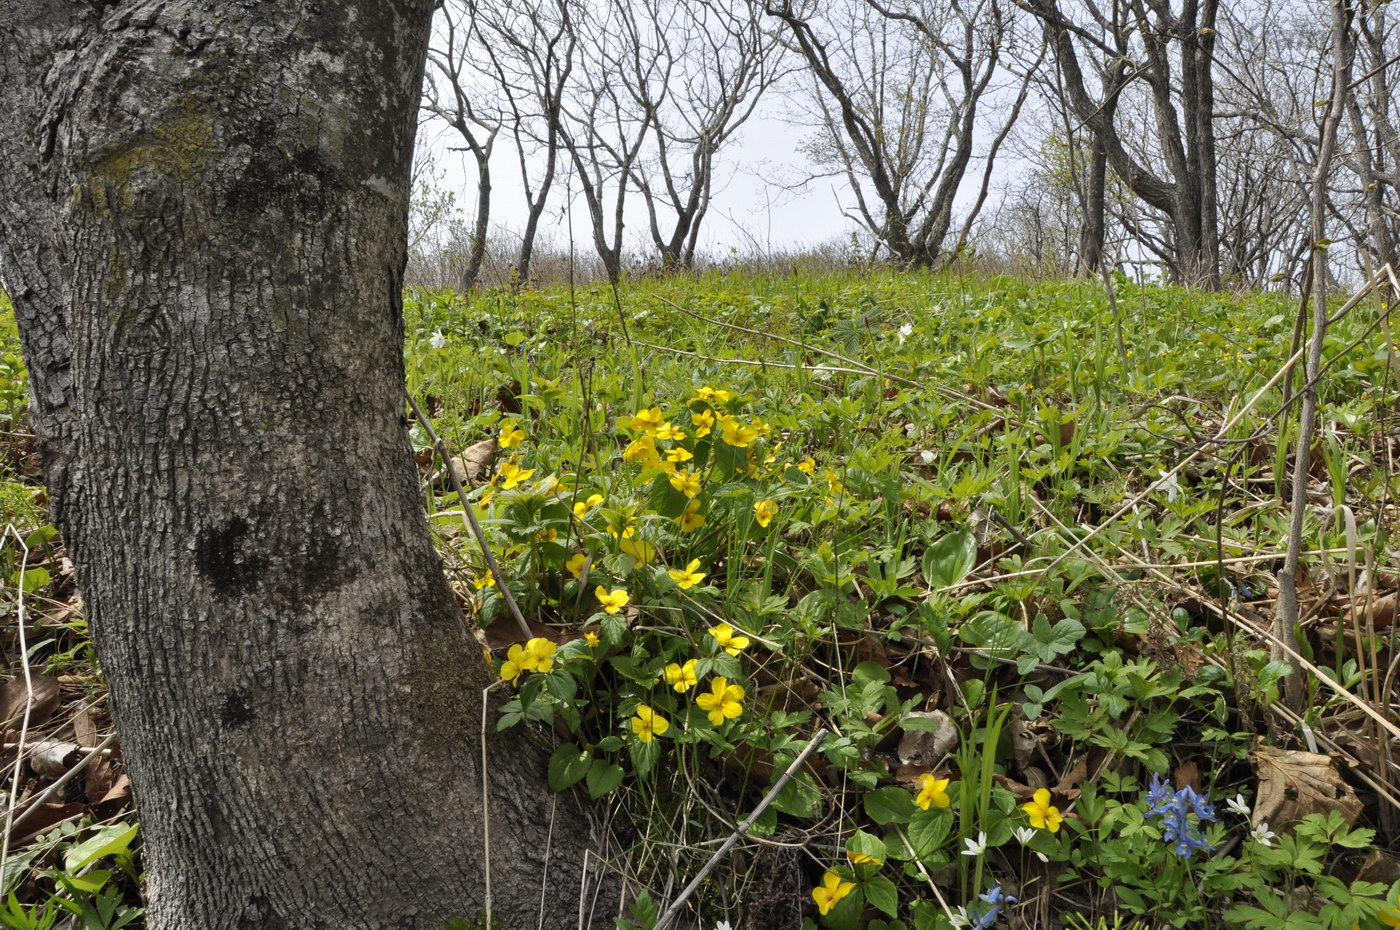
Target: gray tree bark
[(202, 223)]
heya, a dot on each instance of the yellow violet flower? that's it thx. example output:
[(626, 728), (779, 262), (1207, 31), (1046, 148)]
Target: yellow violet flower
[(547, 535), (723, 702), (513, 475), (679, 454), (737, 434), (687, 482), (510, 436), (688, 578), (730, 641), (833, 483), (703, 423), (1043, 815), (1390, 915), (761, 428), (692, 519), (581, 508), (648, 420), (591, 639), (682, 677), (639, 549), (648, 724), (932, 792), (642, 451), (668, 431), (538, 655), (614, 602), (514, 665), (484, 503), (487, 580), (859, 858), (765, 511), (575, 563), (830, 891), (710, 396)]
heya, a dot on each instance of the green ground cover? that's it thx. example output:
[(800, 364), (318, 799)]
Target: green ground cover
[(905, 523)]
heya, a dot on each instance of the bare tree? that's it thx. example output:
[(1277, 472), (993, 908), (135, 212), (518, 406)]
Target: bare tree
[(531, 50), (453, 92), (1168, 53), (726, 60), (897, 91)]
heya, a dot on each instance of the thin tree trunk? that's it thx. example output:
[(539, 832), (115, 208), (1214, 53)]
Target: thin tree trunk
[(477, 254), (1286, 617), (202, 230)]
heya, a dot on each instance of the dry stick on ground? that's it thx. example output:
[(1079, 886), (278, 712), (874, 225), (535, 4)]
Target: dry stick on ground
[(746, 361), (21, 618), (98, 752), (470, 517), (1286, 619), (739, 831)]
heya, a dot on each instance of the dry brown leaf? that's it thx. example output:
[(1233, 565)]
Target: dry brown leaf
[(84, 730), (1023, 742), (1293, 784), (14, 695), (474, 465), (936, 737), (1071, 780), (52, 758)]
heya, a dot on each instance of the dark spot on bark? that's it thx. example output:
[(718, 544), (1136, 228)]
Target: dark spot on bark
[(313, 570), (325, 24), (299, 184), (228, 559), (236, 714)]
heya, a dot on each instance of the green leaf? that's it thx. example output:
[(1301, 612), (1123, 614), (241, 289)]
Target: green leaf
[(603, 777), (881, 893), (889, 805), (644, 756), (567, 765), (867, 843), (108, 841), (799, 798), (30, 580), (927, 831), (665, 499), (950, 560)]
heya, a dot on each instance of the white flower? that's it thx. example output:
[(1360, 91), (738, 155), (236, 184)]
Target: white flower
[(437, 340), (1238, 805), (910, 429), (1263, 835), (960, 918), (1169, 484), (722, 925), (905, 332), (976, 848), (927, 456), (1024, 835)]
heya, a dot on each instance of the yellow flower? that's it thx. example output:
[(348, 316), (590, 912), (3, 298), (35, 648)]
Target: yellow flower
[(764, 512), (484, 503), (514, 665), (682, 677), (547, 535), (932, 791), (703, 423), (831, 890), (538, 655), (581, 508), (687, 482), (668, 431), (642, 451), (710, 396), (648, 420), (761, 428), (807, 465), (487, 580), (730, 641), (648, 724), (591, 639), (723, 702), (1390, 915), (692, 519), (639, 549), (688, 578), (614, 602), (833, 483), (513, 475), (1043, 815), (575, 563), (736, 433), (860, 858), (510, 436), (679, 454)]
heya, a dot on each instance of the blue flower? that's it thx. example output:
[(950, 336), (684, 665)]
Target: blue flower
[(996, 898), (1175, 808)]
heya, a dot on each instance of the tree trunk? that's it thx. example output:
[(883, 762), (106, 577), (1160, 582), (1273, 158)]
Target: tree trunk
[(476, 256), (202, 228)]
